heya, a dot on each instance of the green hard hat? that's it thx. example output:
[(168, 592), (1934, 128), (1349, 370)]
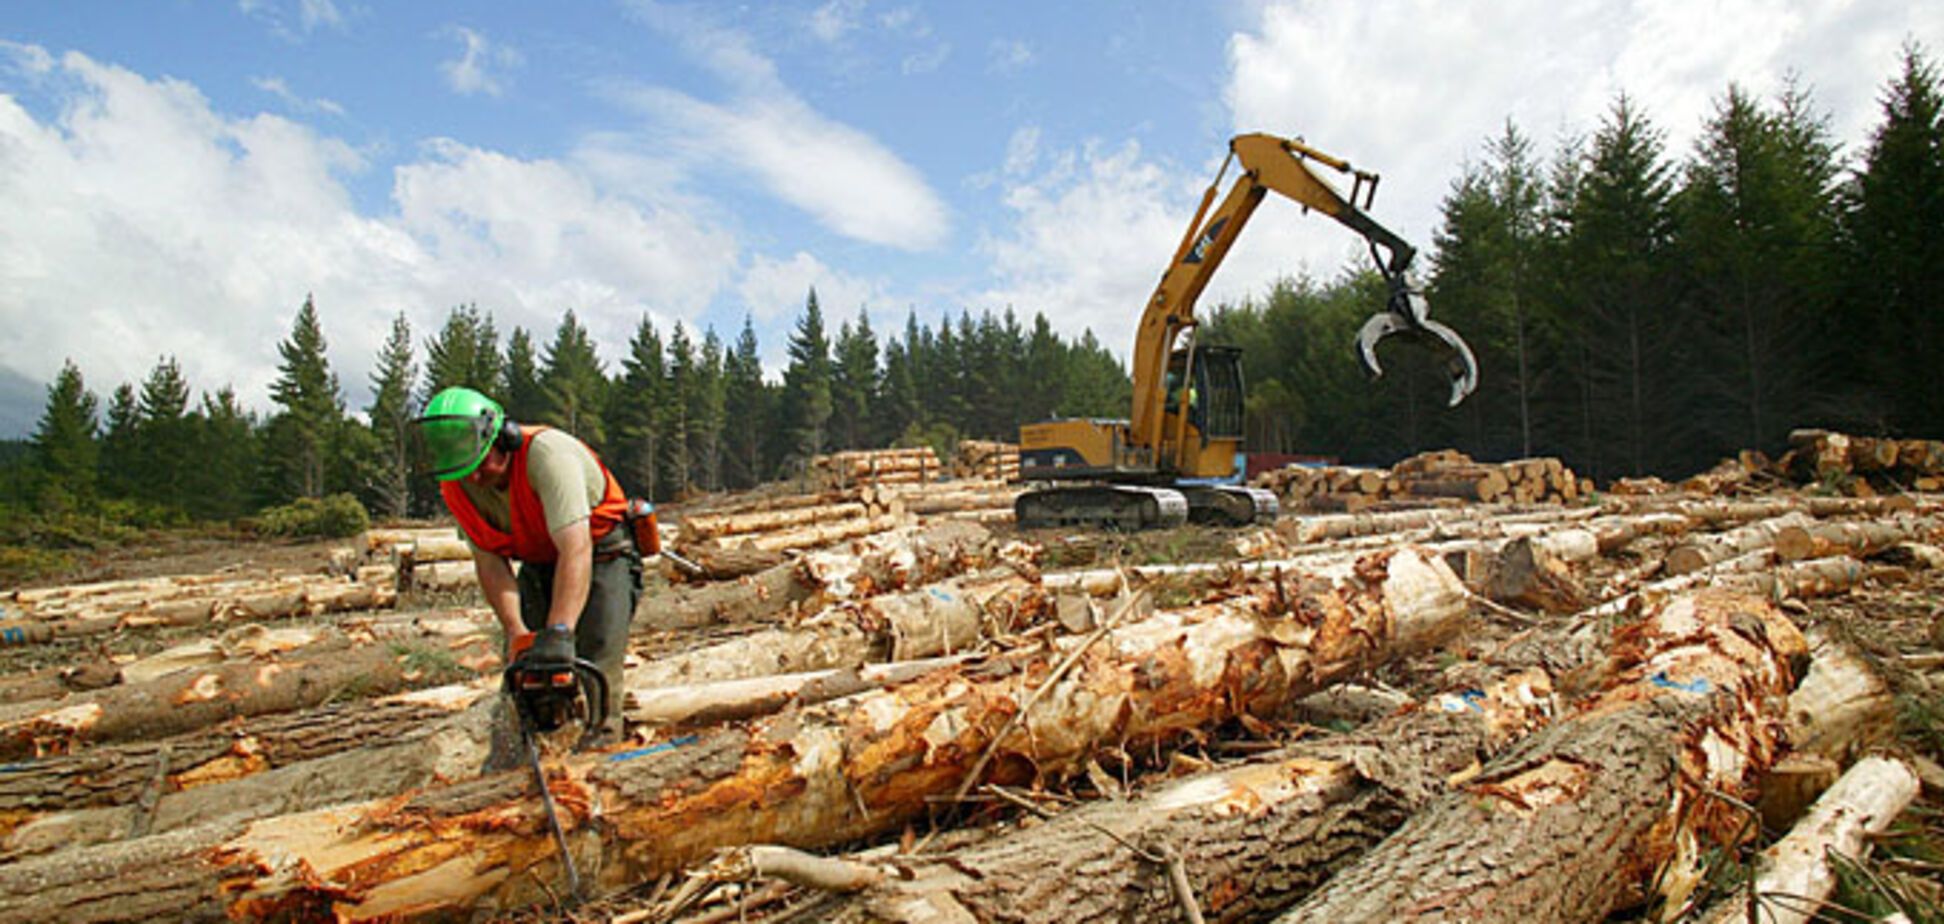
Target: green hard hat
[(457, 428)]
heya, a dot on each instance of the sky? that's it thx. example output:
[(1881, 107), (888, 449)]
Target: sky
[(178, 176)]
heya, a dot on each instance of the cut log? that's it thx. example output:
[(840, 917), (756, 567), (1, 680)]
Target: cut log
[(1252, 837), (268, 766), (1787, 534), (188, 700), (1527, 573), (876, 564), (810, 778), (1580, 818), (943, 618), (1795, 875), (713, 702), (713, 526)]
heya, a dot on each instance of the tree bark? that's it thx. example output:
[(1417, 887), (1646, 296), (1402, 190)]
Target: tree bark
[(269, 766), (1575, 821), (1787, 532), (812, 778), (873, 565), (189, 700), (1253, 837)]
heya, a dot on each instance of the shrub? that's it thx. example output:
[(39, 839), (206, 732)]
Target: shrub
[(333, 517)]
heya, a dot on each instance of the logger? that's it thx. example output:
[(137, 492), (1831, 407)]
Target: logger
[(1176, 458)]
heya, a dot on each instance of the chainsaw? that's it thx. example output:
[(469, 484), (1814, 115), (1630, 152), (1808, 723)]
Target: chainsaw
[(547, 698)]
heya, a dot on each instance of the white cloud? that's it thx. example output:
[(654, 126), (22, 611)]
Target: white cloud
[(1090, 237), (844, 178), (835, 19), (773, 289), (275, 86), (1411, 88), (480, 60), (141, 223), (314, 13), (1010, 56), (1022, 150), (927, 61)]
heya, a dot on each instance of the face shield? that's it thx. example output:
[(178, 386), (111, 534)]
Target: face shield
[(450, 446)]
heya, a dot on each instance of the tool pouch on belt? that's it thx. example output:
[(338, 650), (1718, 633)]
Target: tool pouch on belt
[(640, 517)]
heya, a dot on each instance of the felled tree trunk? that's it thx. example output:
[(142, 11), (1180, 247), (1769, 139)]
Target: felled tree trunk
[(1252, 837), (876, 564), (810, 778), (1787, 534), (942, 618), (1576, 820), (188, 700), (288, 763)]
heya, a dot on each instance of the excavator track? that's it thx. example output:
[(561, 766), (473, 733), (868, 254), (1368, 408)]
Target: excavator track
[(1230, 505), (1111, 506)]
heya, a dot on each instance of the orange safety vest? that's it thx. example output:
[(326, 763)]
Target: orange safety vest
[(529, 541)]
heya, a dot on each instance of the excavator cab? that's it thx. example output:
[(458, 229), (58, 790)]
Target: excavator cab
[(1215, 393)]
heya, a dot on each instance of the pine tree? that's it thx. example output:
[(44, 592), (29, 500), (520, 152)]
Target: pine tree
[(302, 449), (746, 411), (525, 397), (638, 407), (854, 384), (121, 463), (1896, 236), (674, 421), (65, 444), (226, 458), (574, 384), (464, 354), (705, 414), (1757, 227), (163, 437), (806, 400), (389, 493), (1621, 233)]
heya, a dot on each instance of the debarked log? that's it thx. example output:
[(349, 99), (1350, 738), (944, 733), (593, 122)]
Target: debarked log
[(873, 565), (811, 778), (1795, 875), (1579, 819), (1252, 837), (193, 699), (941, 618)]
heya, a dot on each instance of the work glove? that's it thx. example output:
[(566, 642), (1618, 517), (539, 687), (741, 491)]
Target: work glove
[(552, 647)]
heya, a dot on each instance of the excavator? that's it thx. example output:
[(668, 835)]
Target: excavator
[(1178, 458)]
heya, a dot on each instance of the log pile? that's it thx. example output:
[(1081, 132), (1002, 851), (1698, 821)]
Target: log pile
[(989, 460), (878, 466), (1444, 476), (1863, 466), (1564, 713)]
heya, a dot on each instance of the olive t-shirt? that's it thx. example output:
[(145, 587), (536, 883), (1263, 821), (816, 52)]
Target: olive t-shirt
[(565, 476)]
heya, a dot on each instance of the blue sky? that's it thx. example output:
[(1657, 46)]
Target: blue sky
[(177, 176)]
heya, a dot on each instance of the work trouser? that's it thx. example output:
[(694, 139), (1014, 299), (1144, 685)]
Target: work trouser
[(601, 635)]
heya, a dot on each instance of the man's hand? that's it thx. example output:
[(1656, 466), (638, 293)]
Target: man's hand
[(517, 645), (552, 646)]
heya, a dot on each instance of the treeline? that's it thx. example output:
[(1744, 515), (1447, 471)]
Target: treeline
[(678, 415), (1635, 313)]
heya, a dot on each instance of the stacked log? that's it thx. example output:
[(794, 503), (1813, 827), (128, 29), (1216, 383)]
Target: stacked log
[(878, 466), (1862, 465), (1442, 476), (988, 459)]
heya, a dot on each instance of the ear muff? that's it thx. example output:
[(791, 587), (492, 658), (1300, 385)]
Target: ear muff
[(509, 437)]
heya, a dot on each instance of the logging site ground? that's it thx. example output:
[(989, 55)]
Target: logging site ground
[(882, 701)]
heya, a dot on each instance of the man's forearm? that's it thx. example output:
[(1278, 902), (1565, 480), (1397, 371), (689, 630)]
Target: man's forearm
[(502, 591), (573, 574)]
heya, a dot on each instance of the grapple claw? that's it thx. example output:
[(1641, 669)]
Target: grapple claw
[(1408, 311)]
